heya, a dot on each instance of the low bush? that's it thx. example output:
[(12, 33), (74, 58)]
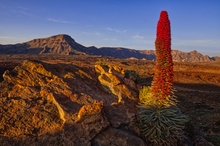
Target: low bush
[(131, 74), (160, 121)]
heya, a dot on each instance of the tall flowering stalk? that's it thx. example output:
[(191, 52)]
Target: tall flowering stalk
[(160, 120), (163, 71)]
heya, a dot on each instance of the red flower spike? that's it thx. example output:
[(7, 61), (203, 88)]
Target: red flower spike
[(163, 71)]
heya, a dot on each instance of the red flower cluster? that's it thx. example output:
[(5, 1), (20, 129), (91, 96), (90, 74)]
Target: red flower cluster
[(163, 71)]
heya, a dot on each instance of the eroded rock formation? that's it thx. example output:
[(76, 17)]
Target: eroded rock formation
[(55, 104)]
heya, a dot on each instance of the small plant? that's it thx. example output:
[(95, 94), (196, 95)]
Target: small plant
[(162, 123), (146, 97), (102, 63), (131, 74)]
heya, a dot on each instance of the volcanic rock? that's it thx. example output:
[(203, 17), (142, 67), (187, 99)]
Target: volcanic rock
[(46, 104)]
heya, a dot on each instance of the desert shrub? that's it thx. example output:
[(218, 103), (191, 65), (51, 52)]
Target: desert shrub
[(160, 121), (125, 63), (161, 126), (102, 63), (146, 97), (131, 74)]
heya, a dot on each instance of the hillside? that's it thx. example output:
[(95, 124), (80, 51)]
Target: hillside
[(64, 45), (73, 100)]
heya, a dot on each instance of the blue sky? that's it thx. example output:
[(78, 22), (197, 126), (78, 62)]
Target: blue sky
[(195, 24)]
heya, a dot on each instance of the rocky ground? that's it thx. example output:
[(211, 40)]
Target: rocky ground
[(84, 100)]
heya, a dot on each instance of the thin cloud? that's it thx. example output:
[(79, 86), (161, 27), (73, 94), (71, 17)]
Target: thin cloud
[(59, 21), (25, 13), (115, 30), (137, 36), (22, 11), (198, 42), (11, 39), (5, 37), (110, 39), (92, 33)]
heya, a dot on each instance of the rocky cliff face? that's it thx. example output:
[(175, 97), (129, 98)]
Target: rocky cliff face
[(59, 44), (180, 56), (192, 56), (64, 45), (216, 58), (54, 104)]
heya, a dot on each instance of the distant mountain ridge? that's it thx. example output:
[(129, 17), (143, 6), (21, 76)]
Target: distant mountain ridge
[(63, 44), (59, 44)]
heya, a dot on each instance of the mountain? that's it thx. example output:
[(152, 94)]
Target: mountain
[(216, 58), (58, 44), (180, 56), (65, 45), (192, 56), (119, 52)]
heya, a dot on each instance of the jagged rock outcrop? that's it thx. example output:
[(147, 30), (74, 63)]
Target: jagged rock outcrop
[(112, 79), (192, 56), (56, 104)]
